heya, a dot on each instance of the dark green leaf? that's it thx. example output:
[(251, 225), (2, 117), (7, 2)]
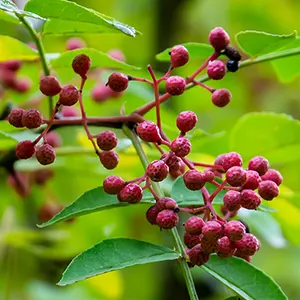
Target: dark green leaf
[(243, 278), (196, 50), (256, 43), (98, 58), (114, 254), (75, 13), (234, 298), (184, 196), (92, 201)]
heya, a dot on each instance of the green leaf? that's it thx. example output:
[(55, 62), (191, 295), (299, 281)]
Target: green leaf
[(11, 49), (256, 43), (196, 50), (274, 135), (114, 254), (243, 278), (92, 201), (8, 17), (98, 58), (73, 12), (184, 196)]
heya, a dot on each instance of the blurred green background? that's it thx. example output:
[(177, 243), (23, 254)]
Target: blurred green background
[(33, 259)]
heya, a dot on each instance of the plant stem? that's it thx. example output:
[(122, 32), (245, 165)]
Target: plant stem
[(40, 49), (156, 187)]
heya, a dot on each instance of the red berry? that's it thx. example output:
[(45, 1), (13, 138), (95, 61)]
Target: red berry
[(151, 214), (234, 230), (221, 97), (226, 211), (179, 56), (131, 193), (101, 93), (225, 248), (69, 95), (259, 164), (157, 170), (232, 200), (118, 82), (81, 64), (197, 256), (148, 132), (53, 139), (248, 245), (166, 203), (212, 230), (268, 189), (15, 117), (216, 69), (175, 85), (109, 159), (191, 240), (219, 38), (179, 172), (8, 78), (75, 43), (181, 146), (23, 85), (69, 111), (25, 149), (208, 244), (209, 176), (107, 140), (194, 180), (42, 176), (219, 162), (252, 181), (231, 159), (167, 219), (172, 161), (48, 210), (272, 175), (194, 225), (12, 65), (236, 176), (249, 199), (32, 118), (186, 121), (45, 154), (50, 86), (113, 184)]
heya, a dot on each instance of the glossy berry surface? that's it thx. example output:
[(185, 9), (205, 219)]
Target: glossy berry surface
[(151, 214), (175, 85), (50, 86), (179, 56), (167, 219), (252, 181), (249, 199), (81, 64), (194, 225), (232, 200), (218, 38), (259, 164), (231, 159), (25, 149), (107, 140), (234, 230), (232, 65), (197, 256), (131, 193), (157, 170), (109, 159), (273, 175), (248, 245), (181, 146), (113, 184), (221, 97), (268, 189), (166, 203), (212, 230), (31, 118), (148, 132), (232, 53), (225, 247), (216, 69), (186, 121), (118, 82), (191, 240), (236, 176), (172, 161), (45, 154), (194, 180), (69, 95), (15, 117)]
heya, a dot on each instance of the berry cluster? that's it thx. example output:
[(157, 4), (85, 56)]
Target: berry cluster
[(246, 187)]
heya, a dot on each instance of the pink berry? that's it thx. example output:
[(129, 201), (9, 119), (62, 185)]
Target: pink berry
[(148, 132), (219, 162), (194, 180), (272, 175), (179, 56), (157, 170), (107, 140), (252, 181), (179, 172), (191, 240), (8, 78), (15, 117), (131, 193), (167, 219), (12, 65), (151, 214), (75, 43), (194, 225), (166, 203), (175, 85), (197, 256), (32, 118), (109, 159), (101, 92), (216, 69), (208, 244), (45, 154), (23, 85), (209, 176), (69, 111), (268, 189), (225, 248), (42, 176), (113, 184), (221, 97), (212, 230), (118, 82), (81, 64), (249, 199), (259, 164), (186, 121), (116, 54), (234, 230), (219, 38), (236, 176), (69, 95), (25, 149), (50, 86), (172, 161), (248, 245), (231, 159), (232, 200), (181, 146), (53, 139)]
